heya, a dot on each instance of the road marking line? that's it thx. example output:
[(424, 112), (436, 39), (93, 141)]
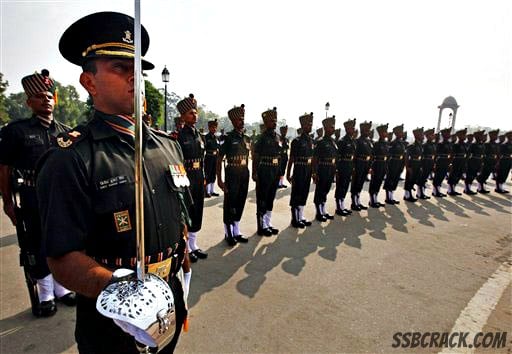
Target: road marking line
[(474, 317)]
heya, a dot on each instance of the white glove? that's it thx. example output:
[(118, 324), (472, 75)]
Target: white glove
[(140, 335)]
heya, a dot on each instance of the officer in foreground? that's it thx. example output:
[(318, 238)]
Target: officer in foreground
[(235, 149), (22, 143), (86, 190)]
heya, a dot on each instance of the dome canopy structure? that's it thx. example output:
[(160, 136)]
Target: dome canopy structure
[(451, 103)]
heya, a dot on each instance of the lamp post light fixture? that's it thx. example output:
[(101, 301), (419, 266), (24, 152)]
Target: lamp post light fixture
[(327, 105), (165, 79)]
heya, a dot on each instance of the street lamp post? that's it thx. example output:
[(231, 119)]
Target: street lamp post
[(327, 105), (165, 79)]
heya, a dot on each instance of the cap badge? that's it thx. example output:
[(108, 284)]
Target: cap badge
[(127, 37)]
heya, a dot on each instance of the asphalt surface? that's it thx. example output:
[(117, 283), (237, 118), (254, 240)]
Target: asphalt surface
[(343, 286)]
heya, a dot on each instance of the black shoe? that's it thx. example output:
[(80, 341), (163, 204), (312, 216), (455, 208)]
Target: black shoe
[(381, 204), (69, 299), (439, 195), (241, 239), (389, 201), (423, 196), (321, 217), (501, 191), (454, 194), (362, 207), (355, 207), (470, 192), (215, 194), (200, 254), (46, 309), (396, 202), (410, 199), (374, 205), (298, 224), (306, 223), (264, 232), (347, 211), (231, 241), (343, 212), (284, 186), (273, 230), (193, 257), (207, 195), (484, 191), (328, 217)]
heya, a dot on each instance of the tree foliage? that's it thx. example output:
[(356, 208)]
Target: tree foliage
[(154, 101), (4, 116)]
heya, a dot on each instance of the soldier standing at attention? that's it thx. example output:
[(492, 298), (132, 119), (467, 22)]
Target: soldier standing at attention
[(476, 153), (285, 146), (319, 135), (345, 166), (192, 145), (210, 158), (427, 163), (379, 165), (265, 172), (414, 154), (459, 162), (86, 190), (396, 164), (301, 159), (337, 134), (362, 163), (235, 149), (491, 157), (324, 168), (503, 168), (443, 159), (22, 143)]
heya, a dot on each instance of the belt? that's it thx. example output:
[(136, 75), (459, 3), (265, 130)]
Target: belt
[(302, 160), (397, 157), (269, 160), (213, 152), (428, 157), (460, 156), (28, 178), (159, 263), (364, 158), (471, 156), (418, 158), (380, 158), (444, 156), (237, 163), (193, 164), (492, 156), (347, 157), (327, 161)]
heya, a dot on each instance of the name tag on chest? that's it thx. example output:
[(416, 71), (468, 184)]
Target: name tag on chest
[(111, 182)]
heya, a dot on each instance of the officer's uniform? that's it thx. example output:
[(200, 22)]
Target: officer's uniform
[(396, 164), (210, 159), (362, 162), (503, 168), (344, 166), (379, 165), (235, 149), (491, 158), (444, 152), (301, 159), (86, 190), (459, 162), (476, 154), (266, 163), (427, 163), (285, 146), (414, 154), (324, 167), (22, 143), (319, 135)]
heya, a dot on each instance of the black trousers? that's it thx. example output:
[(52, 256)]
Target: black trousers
[(210, 165), (378, 173), (29, 237), (196, 188), (487, 168), (300, 184), (458, 168), (442, 165), (282, 165), (266, 188), (325, 175), (395, 168), (474, 166), (412, 175), (235, 193), (345, 170), (97, 334), (427, 165), (361, 168), (503, 170)]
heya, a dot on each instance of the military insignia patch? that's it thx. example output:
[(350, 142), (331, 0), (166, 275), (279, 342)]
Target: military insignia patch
[(63, 143), (179, 175), (74, 134), (127, 37), (122, 221)]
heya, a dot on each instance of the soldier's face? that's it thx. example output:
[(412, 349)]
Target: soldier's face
[(329, 130), (112, 86), (306, 127), (238, 123), (190, 118), (350, 131), (270, 123), (41, 103), (212, 129)]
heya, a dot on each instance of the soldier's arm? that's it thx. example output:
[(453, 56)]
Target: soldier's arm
[(6, 190), (218, 169), (291, 160), (78, 272)]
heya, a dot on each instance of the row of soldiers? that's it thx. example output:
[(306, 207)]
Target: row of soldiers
[(345, 161)]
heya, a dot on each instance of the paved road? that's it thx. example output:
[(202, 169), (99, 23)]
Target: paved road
[(343, 286)]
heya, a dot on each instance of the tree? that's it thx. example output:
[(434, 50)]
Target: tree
[(4, 116), (16, 105), (154, 102), (69, 109)]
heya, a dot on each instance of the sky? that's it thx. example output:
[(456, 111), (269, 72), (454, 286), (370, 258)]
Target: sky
[(390, 61)]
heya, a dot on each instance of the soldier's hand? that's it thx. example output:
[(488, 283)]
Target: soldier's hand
[(220, 184), (9, 211)]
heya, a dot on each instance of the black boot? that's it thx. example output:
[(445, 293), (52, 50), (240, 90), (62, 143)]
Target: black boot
[(410, 198), (354, 205), (319, 216), (230, 239), (295, 218), (262, 231)]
